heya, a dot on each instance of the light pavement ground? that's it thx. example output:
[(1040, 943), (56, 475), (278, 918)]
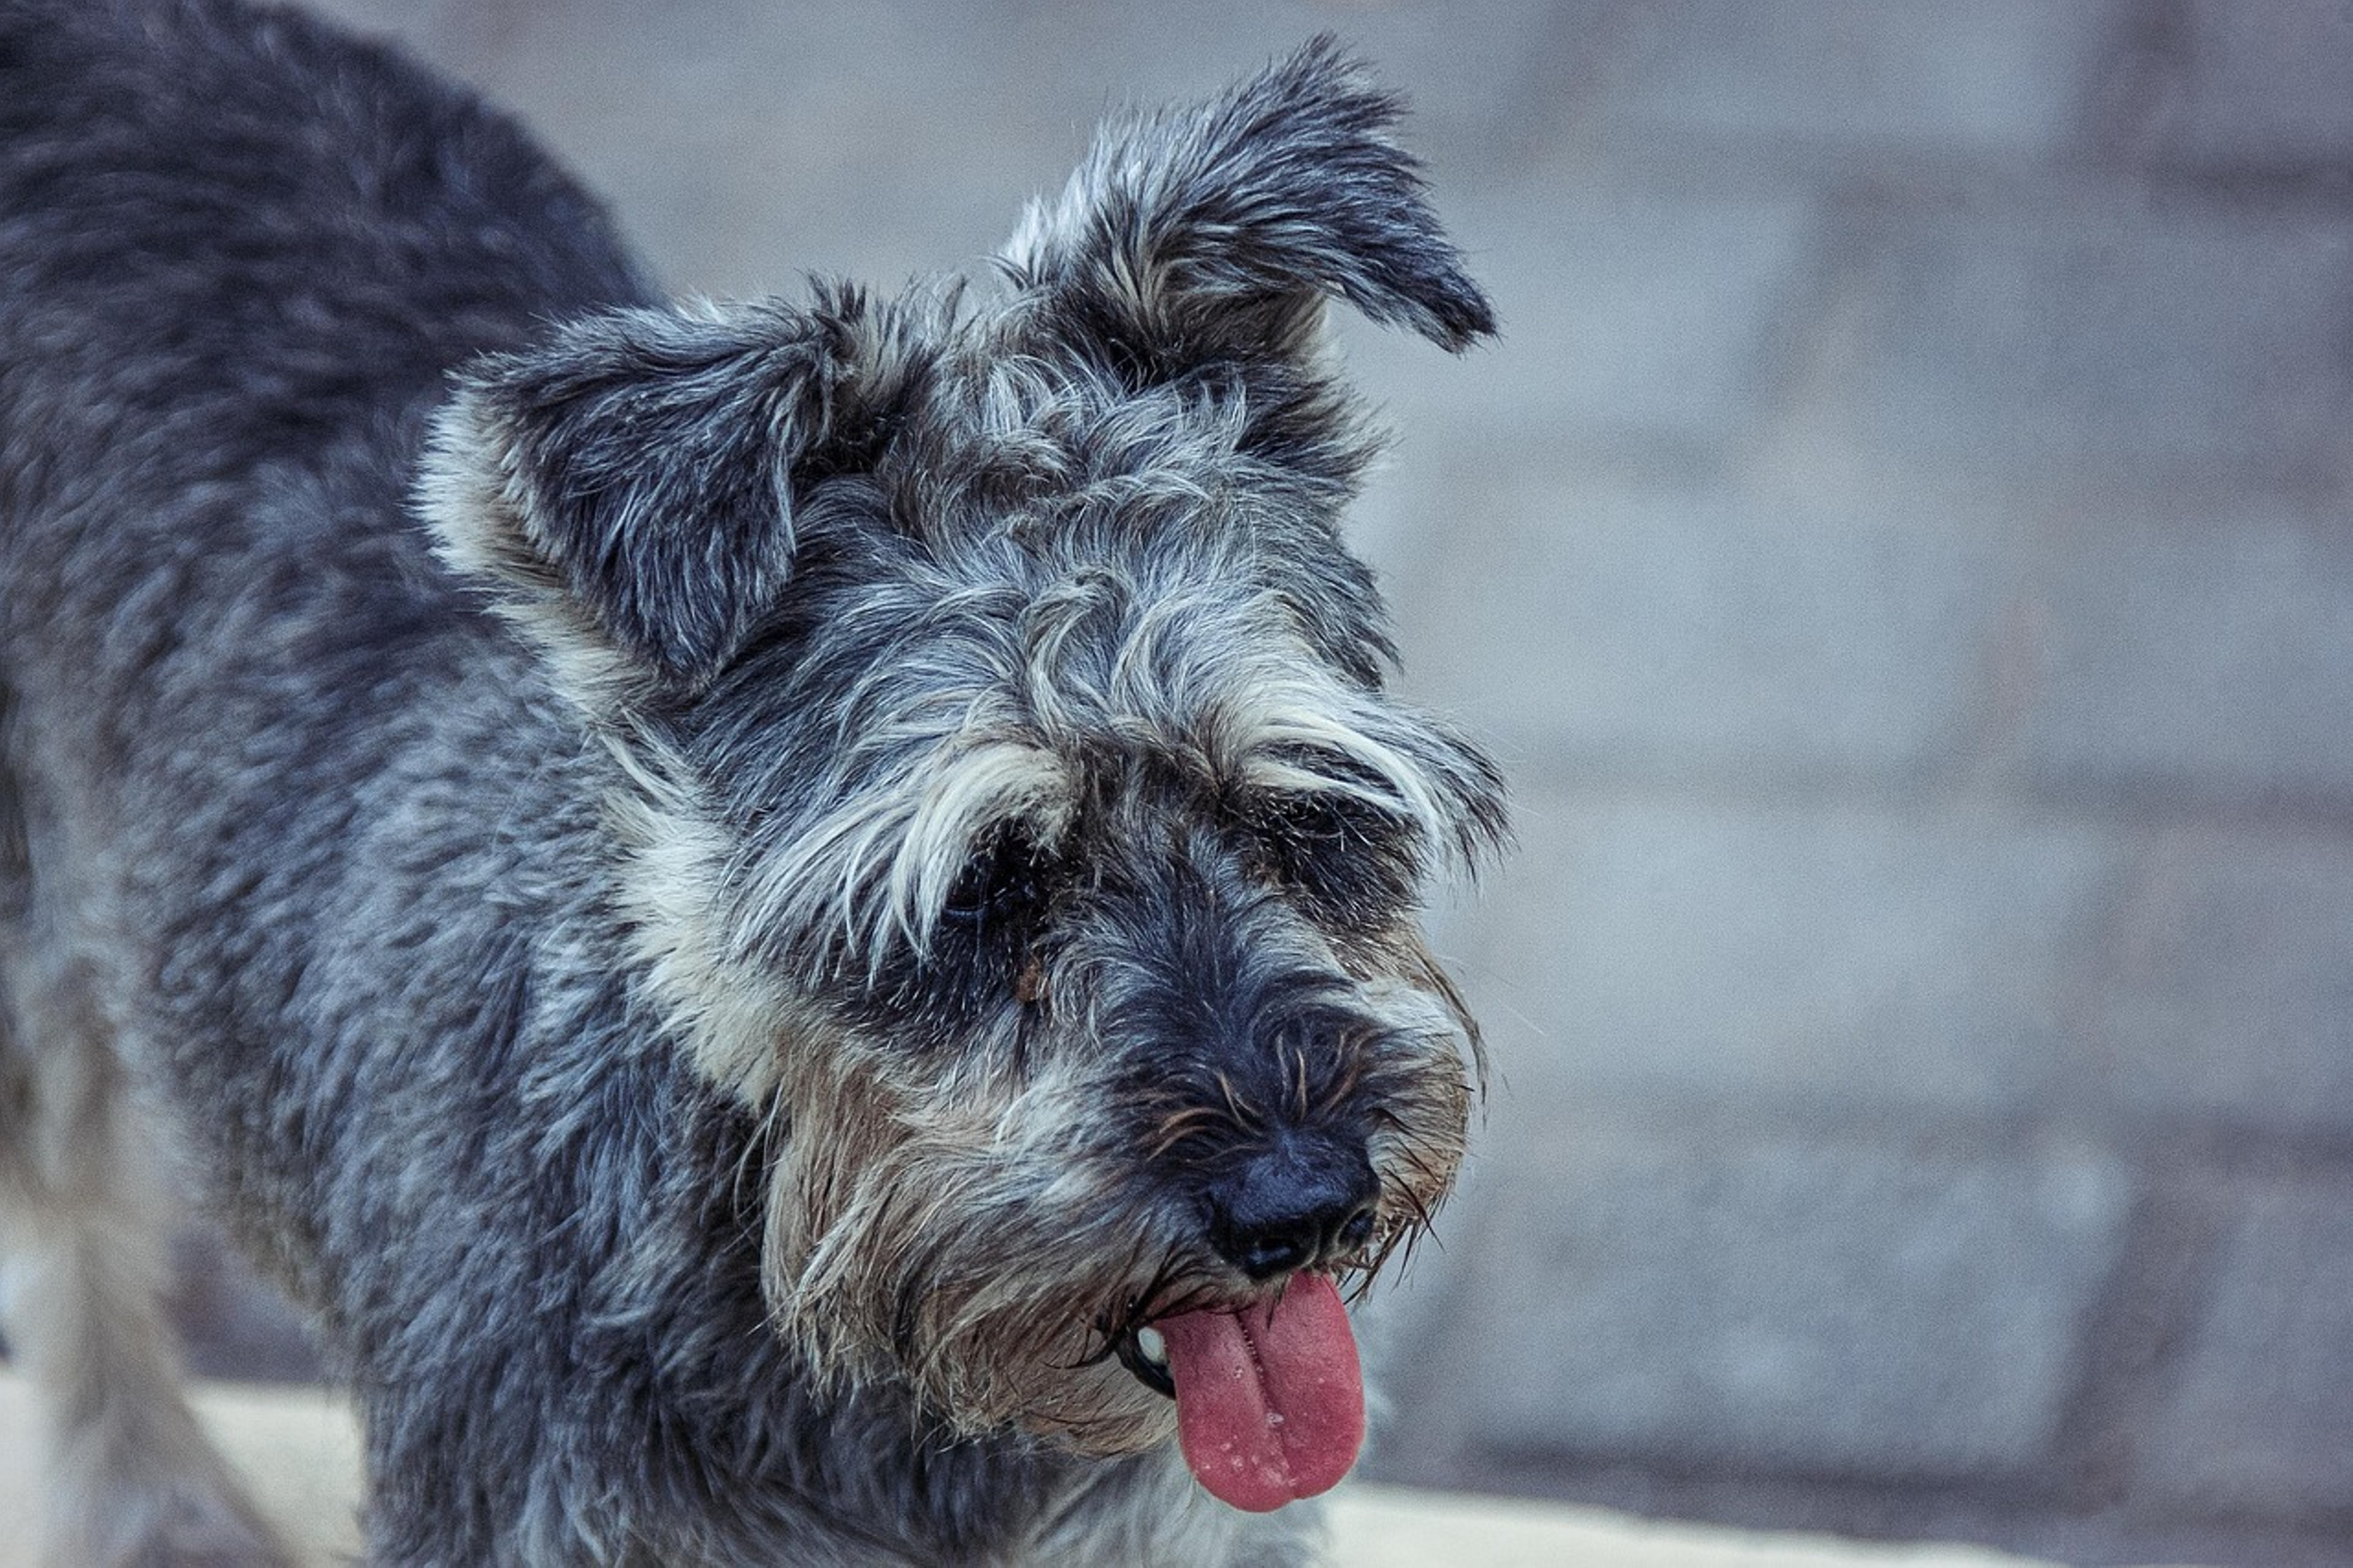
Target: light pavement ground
[(300, 1451)]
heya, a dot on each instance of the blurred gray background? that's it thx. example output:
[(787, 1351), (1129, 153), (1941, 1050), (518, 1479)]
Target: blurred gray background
[(1901, 550)]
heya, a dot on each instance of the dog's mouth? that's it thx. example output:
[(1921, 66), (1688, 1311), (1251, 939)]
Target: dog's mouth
[(1269, 1397), (1144, 1350)]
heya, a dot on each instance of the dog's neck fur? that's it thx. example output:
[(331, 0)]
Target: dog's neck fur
[(712, 1410)]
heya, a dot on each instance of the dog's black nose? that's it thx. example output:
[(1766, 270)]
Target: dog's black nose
[(1289, 1206)]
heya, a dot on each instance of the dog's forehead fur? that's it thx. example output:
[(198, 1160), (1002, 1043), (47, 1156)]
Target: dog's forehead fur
[(1043, 582), (1039, 659)]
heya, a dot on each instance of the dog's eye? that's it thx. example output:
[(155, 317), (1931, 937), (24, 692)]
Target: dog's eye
[(1342, 850), (1002, 884)]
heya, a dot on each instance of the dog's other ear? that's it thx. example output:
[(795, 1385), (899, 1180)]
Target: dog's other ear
[(1207, 233), (625, 487)]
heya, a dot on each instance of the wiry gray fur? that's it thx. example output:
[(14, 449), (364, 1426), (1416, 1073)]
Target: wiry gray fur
[(843, 858)]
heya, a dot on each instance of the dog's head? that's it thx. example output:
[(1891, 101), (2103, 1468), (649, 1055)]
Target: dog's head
[(1016, 816)]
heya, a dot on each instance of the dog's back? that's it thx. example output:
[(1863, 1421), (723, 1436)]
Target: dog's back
[(239, 251), (239, 256), (257, 196), (229, 234)]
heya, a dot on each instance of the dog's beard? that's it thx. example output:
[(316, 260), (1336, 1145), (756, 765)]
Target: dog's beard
[(917, 1238), (997, 1252)]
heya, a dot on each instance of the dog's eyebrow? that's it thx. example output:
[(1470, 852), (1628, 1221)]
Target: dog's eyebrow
[(994, 784), (1312, 736), (1301, 768), (882, 861)]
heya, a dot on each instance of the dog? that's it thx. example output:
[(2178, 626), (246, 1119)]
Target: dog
[(786, 916)]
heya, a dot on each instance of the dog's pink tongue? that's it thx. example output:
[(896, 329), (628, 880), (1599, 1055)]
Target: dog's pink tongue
[(1269, 1401)]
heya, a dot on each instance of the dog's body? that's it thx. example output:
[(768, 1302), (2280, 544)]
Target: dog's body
[(853, 864)]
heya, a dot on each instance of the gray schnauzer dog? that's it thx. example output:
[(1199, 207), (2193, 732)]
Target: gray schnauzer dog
[(785, 916)]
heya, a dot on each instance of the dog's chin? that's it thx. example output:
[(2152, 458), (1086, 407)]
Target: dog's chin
[(1101, 1412)]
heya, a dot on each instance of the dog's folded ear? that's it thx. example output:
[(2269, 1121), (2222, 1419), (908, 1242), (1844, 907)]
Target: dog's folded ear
[(1217, 231), (625, 489)]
